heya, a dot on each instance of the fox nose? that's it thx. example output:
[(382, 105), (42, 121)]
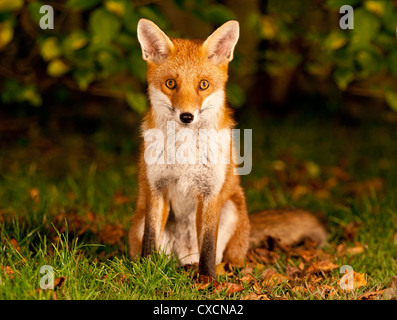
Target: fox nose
[(186, 117)]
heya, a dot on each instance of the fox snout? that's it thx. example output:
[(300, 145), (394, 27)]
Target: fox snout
[(186, 117)]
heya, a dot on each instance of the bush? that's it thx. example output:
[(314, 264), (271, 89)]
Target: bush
[(93, 47)]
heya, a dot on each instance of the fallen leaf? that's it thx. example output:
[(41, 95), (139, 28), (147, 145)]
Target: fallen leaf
[(246, 279), (327, 291), (322, 266), (391, 291), (202, 286), (354, 250), (301, 265), (58, 282), (299, 191), (34, 194), (359, 280), (255, 296), (15, 245), (207, 279), (292, 271), (220, 269), (371, 295), (257, 288), (299, 290), (8, 271), (275, 279), (228, 288), (250, 267)]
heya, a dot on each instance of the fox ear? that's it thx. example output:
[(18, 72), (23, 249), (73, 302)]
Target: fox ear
[(220, 44), (155, 44)]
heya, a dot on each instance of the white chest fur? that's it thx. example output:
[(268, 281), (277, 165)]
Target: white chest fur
[(188, 160)]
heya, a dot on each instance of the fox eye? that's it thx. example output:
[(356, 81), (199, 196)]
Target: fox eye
[(170, 83), (204, 85)]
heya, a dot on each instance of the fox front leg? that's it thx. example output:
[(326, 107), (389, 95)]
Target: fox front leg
[(207, 223), (155, 219)]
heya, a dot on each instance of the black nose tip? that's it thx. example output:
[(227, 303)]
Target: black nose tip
[(186, 117)]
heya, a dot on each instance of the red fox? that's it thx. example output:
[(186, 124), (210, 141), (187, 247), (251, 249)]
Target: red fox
[(195, 210)]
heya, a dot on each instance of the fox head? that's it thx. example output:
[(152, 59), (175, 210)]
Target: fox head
[(187, 78)]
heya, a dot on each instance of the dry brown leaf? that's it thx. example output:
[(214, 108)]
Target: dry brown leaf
[(299, 290), (228, 288), (322, 266), (301, 265), (359, 280), (249, 267), (58, 282), (267, 273), (246, 278), (299, 191), (275, 279), (327, 291), (354, 250), (257, 288), (202, 286), (292, 271), (15, 244), (8, 271), (371, 295), (255, 296), (220, 268), (391, 291), (34, 194)]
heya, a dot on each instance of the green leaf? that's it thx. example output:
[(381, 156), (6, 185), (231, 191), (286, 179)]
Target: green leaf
[(335, 40), (15, 91), (6, 33), (391, 99), (377, 7), (336, 4), (235, 94), (57, 68), (366, 26), (137, 101), (130, 19), (152, 13), (75, 41), (50, 49), (82, 4), (103, 25), (137, 65), (10, 5), (368, 62), (109, 62), (83, 77), (218, 14), (118, 7), (34, 10), (343, 77)]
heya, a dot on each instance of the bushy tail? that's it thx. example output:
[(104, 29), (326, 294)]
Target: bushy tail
[(287, 227)]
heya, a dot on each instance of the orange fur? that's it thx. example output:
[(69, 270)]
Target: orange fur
[(168, 192)]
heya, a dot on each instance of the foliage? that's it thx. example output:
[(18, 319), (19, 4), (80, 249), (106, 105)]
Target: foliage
[(93, 47)]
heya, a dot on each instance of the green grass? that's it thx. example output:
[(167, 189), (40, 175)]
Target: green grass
[(84, 173)]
